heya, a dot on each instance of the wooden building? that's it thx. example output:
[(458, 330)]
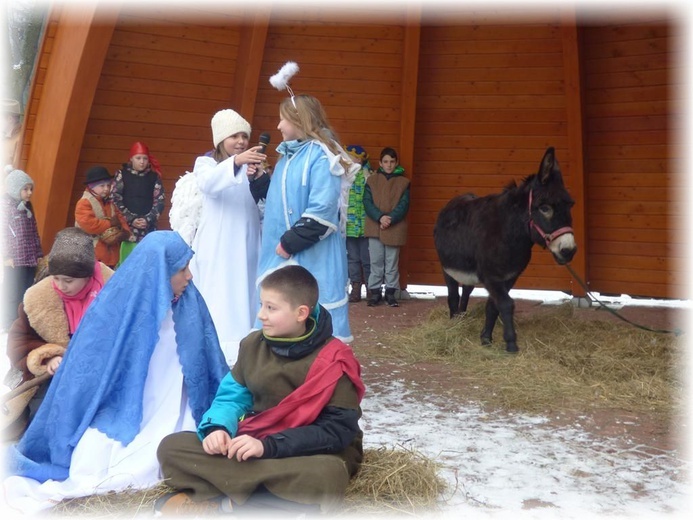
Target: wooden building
[(470, 99)]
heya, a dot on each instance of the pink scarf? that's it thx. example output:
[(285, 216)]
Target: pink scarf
[(302, 406), (76, 306)]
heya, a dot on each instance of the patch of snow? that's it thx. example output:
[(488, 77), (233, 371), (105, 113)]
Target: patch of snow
[(516, 466), (551, 297)]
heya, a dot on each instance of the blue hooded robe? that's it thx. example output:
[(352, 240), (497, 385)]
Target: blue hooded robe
[(101, 379)]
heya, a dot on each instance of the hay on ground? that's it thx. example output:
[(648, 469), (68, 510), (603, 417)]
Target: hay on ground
[(564, 363), (395, 480)]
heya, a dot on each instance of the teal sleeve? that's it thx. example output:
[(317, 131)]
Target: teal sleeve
[(231, 402), (400, 210)]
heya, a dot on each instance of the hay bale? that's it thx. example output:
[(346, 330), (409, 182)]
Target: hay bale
[(395, 480), (565, 363), (390, 480)]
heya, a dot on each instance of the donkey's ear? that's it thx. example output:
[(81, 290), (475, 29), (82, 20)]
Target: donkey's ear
[(549, 164)]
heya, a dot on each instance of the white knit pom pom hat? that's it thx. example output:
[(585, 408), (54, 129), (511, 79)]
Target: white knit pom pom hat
[(226, 123)]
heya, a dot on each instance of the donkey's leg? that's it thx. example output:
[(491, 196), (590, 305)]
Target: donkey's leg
[(464, 299), (453, 295), (490, 323), (506, 308)]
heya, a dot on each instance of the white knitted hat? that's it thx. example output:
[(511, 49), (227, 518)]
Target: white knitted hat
[(15, 181), (226, 123)]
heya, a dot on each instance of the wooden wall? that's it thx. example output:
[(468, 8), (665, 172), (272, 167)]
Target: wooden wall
[(491, 100), (470, 100), (162, 80), (634, 186)]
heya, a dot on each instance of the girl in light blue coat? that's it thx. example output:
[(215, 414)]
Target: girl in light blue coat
[(305, 212)]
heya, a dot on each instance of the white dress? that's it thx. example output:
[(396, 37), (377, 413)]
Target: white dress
[(227, 246), (100, 464)]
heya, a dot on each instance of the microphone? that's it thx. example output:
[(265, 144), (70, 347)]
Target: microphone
[(264, 141)]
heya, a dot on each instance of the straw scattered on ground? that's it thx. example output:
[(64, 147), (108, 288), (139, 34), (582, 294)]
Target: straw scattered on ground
[(564, 363), (391, 480)]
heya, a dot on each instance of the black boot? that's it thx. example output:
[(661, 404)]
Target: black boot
[(390, 297), (376, 298), (355, 295)]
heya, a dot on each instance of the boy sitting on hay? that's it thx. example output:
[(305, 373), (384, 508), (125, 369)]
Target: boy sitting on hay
[(282, 432)]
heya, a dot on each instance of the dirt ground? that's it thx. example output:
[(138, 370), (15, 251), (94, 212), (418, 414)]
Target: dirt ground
[(370, 326)]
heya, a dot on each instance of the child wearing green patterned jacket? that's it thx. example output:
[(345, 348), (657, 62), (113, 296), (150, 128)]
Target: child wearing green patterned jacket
[(358, 259)]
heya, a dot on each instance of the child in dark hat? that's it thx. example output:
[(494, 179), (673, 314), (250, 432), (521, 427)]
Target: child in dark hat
[(96, 214), (21, 245)]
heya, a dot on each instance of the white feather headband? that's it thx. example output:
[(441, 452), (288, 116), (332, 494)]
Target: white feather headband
[(280, 80)]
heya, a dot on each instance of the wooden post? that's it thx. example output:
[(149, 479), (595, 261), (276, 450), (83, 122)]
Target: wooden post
[(81, 41), (410, 81), (573, 93), (249, 63)]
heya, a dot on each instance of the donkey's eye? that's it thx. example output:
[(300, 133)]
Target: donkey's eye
[(546, 210)]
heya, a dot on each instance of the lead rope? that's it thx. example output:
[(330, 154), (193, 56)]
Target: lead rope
[(677, 332)]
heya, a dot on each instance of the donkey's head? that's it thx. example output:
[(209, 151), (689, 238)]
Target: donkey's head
[(550, 222)]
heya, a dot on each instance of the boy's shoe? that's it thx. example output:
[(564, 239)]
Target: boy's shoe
[(179, 503), (355, 295), (376, 298), (390, 298)]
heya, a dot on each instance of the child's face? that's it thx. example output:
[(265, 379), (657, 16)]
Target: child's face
[(103, 189), (288, 129), (180, 281), (139, 162), (236, 143), (279, 319), (356, 159), (26, 192), (68, 285), (388, 163)]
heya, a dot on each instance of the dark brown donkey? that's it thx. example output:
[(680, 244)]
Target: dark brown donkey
[(488, 240)]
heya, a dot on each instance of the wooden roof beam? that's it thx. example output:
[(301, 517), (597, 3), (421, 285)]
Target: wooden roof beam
[(81, 42)]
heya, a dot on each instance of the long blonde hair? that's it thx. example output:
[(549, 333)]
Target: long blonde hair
[(306, 113)]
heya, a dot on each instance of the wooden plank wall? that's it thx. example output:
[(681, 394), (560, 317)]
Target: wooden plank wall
[(636, 215), (491, 100), (354, 69), (491, 96), (163, 79)]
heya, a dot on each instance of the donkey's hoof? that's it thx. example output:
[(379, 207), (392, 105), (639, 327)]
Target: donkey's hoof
[(486, 342), (511, 348)]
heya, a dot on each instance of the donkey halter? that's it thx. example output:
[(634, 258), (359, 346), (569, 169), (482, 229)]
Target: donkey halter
[(548, 237)]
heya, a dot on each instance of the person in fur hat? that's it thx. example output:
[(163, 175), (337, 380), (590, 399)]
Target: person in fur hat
[(227, 240), (144, 363), (21, 244), (52, 308), (96, 214)]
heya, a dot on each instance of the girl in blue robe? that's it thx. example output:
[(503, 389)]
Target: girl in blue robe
[(305, 210)]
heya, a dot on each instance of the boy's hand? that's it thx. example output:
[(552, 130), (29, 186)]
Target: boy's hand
[(216, 443), (245, 447)]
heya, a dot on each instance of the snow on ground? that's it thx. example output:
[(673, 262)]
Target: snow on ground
[(514, 466)]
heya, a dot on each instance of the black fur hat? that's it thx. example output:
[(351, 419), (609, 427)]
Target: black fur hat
[(72, 254), (96, 174)]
